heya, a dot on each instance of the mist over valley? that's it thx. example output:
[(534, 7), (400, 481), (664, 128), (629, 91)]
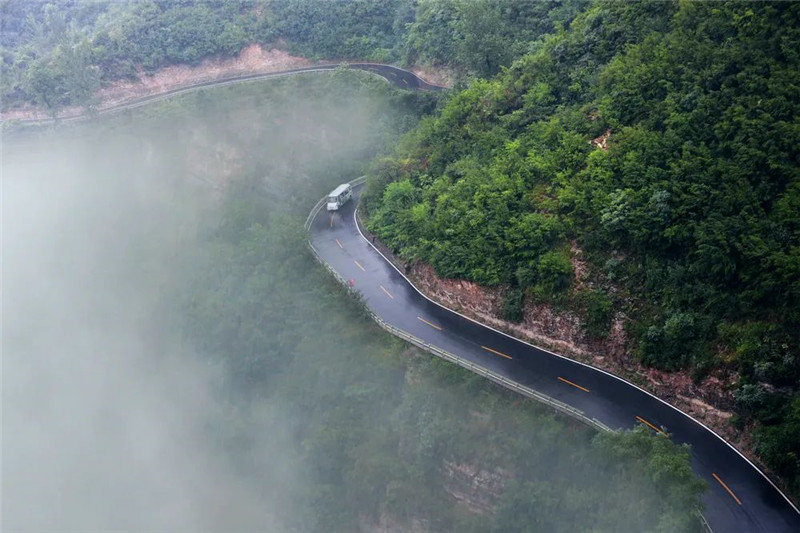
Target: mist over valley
[(174, 359)]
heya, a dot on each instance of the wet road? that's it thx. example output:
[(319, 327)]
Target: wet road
[(740, 497)]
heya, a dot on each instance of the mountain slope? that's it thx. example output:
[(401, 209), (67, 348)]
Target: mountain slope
[(660, 139)]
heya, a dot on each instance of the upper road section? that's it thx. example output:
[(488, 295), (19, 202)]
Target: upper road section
[(740, 498), (402, 79)]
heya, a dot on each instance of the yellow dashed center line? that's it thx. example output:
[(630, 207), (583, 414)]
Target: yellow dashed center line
[(359, 265), (501, 354), (568, 382), (648, 424), (434, 326), (331, 220), (726, 487), (339, 243), (389, 294)]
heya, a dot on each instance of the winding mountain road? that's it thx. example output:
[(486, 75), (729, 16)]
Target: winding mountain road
[(740, 499)]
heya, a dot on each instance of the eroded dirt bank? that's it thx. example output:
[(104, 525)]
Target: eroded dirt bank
[(562, 331)]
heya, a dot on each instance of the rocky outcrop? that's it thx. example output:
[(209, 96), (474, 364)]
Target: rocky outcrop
[(477, 489), (542, 324)]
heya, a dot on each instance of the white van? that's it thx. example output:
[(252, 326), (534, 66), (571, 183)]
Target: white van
[(339, 196)]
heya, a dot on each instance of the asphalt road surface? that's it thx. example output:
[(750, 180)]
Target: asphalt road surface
[(740, 498)]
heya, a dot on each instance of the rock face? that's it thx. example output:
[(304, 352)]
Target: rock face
[(441, 76), (477, 489), (542, 325), (253, 59), (463, 296)]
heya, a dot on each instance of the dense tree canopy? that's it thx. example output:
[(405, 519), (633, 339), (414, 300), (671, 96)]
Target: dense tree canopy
[(662, 140)]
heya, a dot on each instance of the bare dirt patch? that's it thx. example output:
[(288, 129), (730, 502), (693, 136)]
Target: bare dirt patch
[(442, 76)]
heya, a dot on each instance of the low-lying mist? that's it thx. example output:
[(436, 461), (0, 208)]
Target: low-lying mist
[(110, 418), (174, 360)]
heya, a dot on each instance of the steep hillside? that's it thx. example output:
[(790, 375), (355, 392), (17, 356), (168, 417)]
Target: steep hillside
[(655, 145), (59, 53)]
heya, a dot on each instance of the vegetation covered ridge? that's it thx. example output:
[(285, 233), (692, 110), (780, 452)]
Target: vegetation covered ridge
[(661, 141), (59, 53)]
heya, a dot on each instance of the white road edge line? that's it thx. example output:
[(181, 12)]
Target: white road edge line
[(792, 505)]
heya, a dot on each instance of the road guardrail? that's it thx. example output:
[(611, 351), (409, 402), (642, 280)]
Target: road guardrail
[(447, 356)]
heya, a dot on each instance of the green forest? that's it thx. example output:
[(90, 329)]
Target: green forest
[(662, 140), (658, 138), (377, 426)]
